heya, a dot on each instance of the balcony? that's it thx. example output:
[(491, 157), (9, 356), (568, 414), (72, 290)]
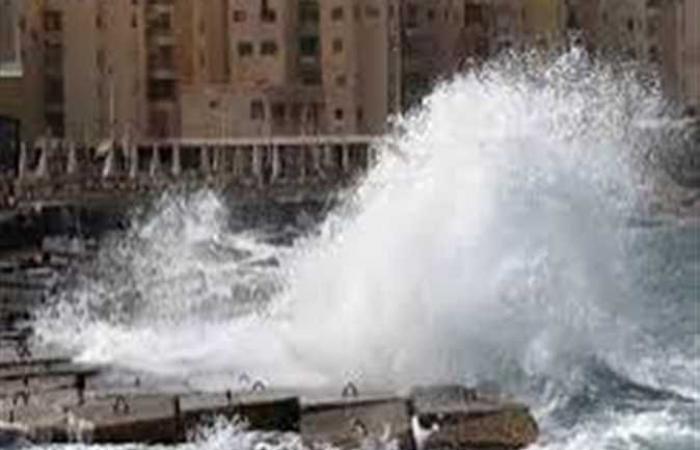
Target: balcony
[(162, 40), (309, 60), (159, 8), (162, 73)]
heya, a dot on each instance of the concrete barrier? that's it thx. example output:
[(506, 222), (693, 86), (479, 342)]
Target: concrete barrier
[(141, 418), (349, 422), (53, 400), (459, 418)]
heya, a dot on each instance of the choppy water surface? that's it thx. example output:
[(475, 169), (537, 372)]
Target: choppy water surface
[(491, 243)]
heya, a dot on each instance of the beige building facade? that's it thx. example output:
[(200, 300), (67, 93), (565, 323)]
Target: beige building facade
[(9, 32), (125, 69), (81, 67), (664, 35), (681, 52), (359, 58), (441, 37), (301, 67)]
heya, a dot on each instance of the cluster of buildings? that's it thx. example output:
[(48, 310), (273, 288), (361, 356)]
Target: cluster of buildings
[(92, 70)]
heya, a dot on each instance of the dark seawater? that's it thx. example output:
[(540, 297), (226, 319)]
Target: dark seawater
[(648, 398)]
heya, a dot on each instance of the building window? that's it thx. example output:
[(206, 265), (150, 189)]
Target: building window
[(100, 59), (245, 48), (53, 55), (337, 13), (161, 90), (654, 55), (630, 24), (337, 45), (473, 15), (53, 21), (358, 13), (431, 15), (53, 90), (308, 45), (372, 12), (239, 15), (267, 14), (268, 48), (412, 15), (54, 121), (296, 112), (339, 114), (134, 21), (279, 112), (341, 80), (161, 22), (159, 124), (308, 11), (257, 110), (311, 77)]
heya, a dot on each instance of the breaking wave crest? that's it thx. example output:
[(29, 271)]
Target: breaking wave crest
[(490, 243)]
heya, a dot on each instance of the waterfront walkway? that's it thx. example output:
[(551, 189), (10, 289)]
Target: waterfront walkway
[(61, 172)]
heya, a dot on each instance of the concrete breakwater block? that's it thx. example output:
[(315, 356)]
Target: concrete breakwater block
[(350, 421), (142, 418), (55, 401), (459, 418)]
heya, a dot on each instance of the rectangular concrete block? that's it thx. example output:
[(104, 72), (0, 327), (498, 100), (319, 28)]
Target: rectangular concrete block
[(261, 410), (348, 422), (455, 417)]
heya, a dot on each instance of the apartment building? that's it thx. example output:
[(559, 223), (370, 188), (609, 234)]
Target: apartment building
[(80, 66), (680, 21), (359, 56), (115, 69), (301, 67), (441, 37), (104, 69), (9, 39), (263, 92)]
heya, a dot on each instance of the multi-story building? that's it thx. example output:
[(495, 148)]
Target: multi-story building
[(681, 52), (439, 37), (264, 91), (9, 40), (81, 67), (112, 69), (301, 67), (359, 57)]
